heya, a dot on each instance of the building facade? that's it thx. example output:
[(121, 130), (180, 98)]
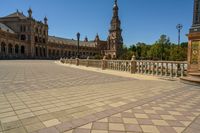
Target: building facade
[(24, 37)]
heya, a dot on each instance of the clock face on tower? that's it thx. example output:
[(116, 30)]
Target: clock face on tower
[(112, 36)]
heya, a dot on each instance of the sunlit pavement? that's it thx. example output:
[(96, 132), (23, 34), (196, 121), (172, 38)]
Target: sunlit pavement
[(44, 97)]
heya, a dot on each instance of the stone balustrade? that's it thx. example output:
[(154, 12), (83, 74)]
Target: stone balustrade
[(119, 65), (148, 67), (162, 68)]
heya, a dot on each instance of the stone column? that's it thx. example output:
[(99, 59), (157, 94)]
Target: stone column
[(87, 65), (19, 52), (6, 53), (133, 65), (103, 63), (77, 61), (13, 50)]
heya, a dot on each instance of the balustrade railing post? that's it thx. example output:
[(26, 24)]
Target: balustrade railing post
[(153, 68), (166, 69), (103, 63), (146, 67), (71, 61), (133, 65), (161, 69), (77, 61), (142, 67), (182, 70), (171, 70), (149, 71), (177, 69), (157, 69), (87, 63), (139, 67), (64, 60)]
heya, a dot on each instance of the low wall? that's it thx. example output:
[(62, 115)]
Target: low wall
[(171, 69)]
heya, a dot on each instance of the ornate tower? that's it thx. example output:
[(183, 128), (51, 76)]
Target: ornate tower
[(196, 13), (194, 40), (193, 76), (196, 17), (115, 40)]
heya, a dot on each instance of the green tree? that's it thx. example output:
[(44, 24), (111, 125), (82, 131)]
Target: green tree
[(179, 53), (127, 53), (142, 50), (162, 49)]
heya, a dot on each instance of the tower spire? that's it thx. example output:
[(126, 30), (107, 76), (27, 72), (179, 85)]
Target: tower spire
[(115, 2), (115, 40), (45, 20), (115, 9), (196, 12)]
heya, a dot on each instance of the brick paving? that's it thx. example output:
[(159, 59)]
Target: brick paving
[(43, 97)]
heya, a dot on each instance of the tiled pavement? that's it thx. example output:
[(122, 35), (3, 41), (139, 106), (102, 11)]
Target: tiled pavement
[(171, 114), (43, 97)]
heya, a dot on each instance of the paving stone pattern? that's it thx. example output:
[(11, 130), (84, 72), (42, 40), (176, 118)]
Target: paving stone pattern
[(43, 97)]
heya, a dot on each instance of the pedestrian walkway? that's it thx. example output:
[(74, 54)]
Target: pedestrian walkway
[(45, 97)]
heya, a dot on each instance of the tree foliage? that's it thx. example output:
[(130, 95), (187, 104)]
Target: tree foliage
[(162, 49)]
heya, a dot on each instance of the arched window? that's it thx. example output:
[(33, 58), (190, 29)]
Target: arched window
[(24, 28), (61, 53), (36, 39), (44, 52), (57, 54), (10, 48), (40, 39), (3, 47), (36, 51), (21, 28), (23, 37), (40, 51), (36, 30), (54, 52), (49, 52), (66, 53), (44, 40), (22, 50), (16, 49)]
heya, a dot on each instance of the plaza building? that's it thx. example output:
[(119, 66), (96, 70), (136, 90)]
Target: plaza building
[(24, 37)]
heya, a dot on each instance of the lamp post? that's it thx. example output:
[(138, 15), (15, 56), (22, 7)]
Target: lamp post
[(179, 27), (78, 39)]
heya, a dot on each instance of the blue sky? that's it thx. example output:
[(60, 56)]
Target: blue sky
[(142, 20)]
